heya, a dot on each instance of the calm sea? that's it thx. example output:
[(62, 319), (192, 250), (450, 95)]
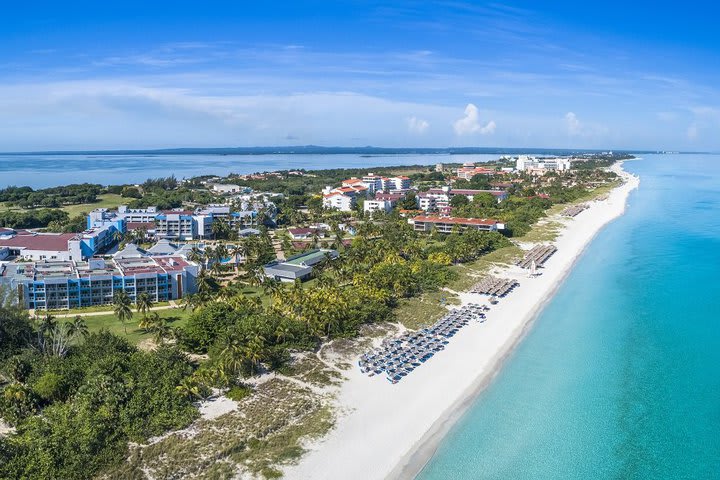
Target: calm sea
[(620, 375), (40, 170)]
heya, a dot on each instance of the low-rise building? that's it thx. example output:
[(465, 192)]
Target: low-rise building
[(63, 284), (447, 224), (438, 199), (302, 233), (469, 170), (536, 166), (339, 201), (373, 206), (226, 188), (298, 266), (32, 245)]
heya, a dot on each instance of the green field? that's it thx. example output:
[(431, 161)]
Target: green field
[(176, 316), (107, 200)]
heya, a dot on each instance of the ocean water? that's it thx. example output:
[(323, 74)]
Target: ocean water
[(47, 170), (620, 375)]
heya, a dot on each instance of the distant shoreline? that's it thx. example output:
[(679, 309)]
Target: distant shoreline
[(322, 150)]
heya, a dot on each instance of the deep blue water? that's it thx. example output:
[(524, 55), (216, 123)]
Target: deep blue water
[(47, 170), (620, 375)]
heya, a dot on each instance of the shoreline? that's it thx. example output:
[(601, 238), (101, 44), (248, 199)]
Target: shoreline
[(369, 443)]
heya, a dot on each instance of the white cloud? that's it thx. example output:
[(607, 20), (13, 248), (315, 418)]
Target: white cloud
[(692, 131), (470, 123), (417, 125), (573, 124)]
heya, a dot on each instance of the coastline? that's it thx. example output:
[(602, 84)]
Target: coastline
[(392, 431)]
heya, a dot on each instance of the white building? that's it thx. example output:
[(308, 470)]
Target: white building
[(395, 183), (339, 201), (372, 206), (226, 188), (540, 167)]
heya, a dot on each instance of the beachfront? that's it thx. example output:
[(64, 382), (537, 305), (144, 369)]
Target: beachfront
[(370, 443)]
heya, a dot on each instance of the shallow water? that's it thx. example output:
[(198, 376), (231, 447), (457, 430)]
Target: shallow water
[(620, 375)]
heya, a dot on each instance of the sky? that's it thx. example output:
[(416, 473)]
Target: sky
[(568, 74)]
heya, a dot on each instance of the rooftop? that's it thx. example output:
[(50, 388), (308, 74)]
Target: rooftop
[(55, 242)]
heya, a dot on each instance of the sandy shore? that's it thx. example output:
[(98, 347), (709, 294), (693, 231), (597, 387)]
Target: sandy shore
[(391, 431)]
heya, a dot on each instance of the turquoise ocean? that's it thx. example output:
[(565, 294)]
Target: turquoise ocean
[(619, 376)]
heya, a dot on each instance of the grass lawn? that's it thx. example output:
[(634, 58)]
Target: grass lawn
[(107, 200), (176, 316), (95, 308)]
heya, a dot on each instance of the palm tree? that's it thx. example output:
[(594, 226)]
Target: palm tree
[(315, 238), (196, 255), (156, 325), (254, 351), (78, 327), (271, 287), (231, 357), (209, 255), (144, 304), (238, 250), (204, 284), (117, 236), (283, 333), (222, 252), (123, 312)]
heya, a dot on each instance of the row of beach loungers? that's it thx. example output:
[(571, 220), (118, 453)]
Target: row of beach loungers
[(539, 254), (493, 286), (399, 356), (574, 210)]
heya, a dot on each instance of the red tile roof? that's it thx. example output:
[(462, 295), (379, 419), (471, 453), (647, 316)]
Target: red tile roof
[(139, 225), (48, 241)]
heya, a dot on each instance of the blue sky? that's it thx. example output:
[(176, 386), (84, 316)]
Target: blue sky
[(85, 75)]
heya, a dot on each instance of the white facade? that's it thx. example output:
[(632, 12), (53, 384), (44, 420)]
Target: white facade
[(226, 189), (371, 206), (339, 201), (533, 165), (395, 183), (374, 183)]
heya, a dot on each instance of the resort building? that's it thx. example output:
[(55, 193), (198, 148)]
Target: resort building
[(446, 224), (372, 206), (438, 199), (469, 170), (54, 285), (535, 166), (36, 246), (178, 224), (302, 233), (376, 183), (226, 188), (383, 202), (298, 266), (339, 201)]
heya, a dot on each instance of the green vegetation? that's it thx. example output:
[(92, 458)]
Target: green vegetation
[(106, 200), (87, 401), (77, 398)]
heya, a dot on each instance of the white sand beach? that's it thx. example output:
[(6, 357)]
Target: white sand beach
[(390, 431)]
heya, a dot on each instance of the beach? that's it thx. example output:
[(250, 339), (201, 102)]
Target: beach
[(390, 431)]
